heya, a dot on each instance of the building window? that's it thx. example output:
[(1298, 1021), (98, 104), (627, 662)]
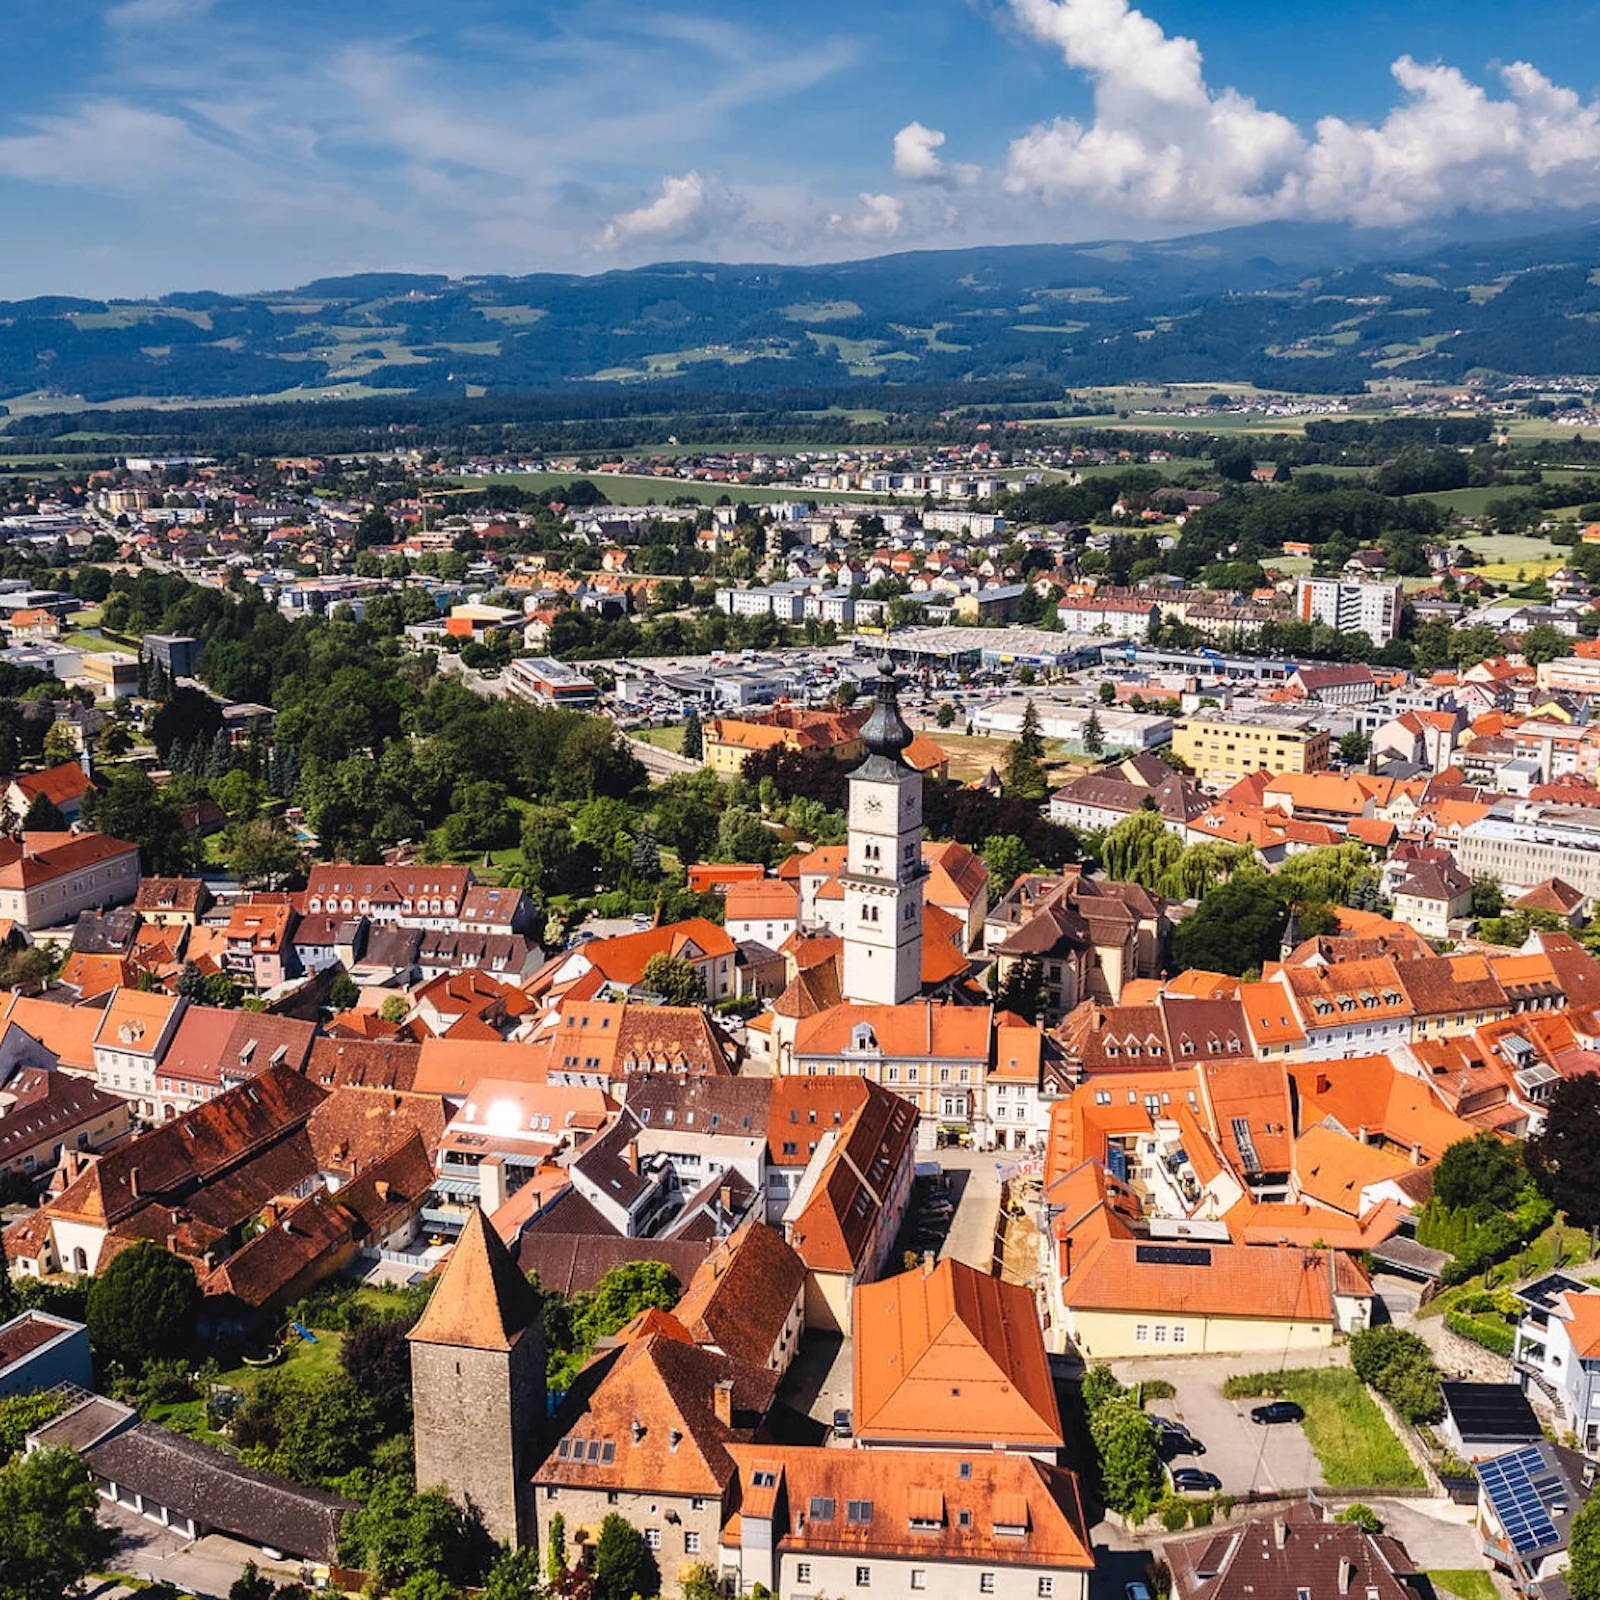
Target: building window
[(1047, 1587), (985, 1583), (652, 1537), (1161, 1333), (863, 1577), (691, 1544), (1180, 1335), (919, 1578), (802, 1572)]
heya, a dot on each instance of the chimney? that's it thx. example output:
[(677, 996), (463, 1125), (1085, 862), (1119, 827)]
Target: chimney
[(1280, 1532), (1324, 1083), (1416, 1155), (631, 1155), (1361, 1134), (269, 1215), (722, 1401), (1347, 1570), (493, 1190), (133, 1182), (928, 1263), (726, 1196)]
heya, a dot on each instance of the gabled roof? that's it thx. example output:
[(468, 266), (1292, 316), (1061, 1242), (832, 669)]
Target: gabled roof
[(482, 1301), (944, 1356), (740, 1300)]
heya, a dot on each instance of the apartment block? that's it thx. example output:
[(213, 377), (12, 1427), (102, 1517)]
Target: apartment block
[(1223, 748), (1351, 606)]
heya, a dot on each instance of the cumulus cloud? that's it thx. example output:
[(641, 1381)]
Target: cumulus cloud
[(917, 158), (1165, 145), (881, 217), (687, 208)]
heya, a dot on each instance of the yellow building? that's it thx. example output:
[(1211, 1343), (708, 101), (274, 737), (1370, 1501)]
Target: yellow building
[(1220, 749)]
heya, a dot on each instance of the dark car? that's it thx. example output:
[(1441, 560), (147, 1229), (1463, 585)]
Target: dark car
[(1176, 1439), (841, 1424), (1191, 1480), (1277, 1411)]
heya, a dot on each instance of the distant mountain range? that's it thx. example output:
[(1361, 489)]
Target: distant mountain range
[(1295, 306)]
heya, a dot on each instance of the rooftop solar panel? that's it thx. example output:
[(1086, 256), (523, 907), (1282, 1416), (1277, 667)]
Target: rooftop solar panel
[(1519, 1507), (1172, 1255)]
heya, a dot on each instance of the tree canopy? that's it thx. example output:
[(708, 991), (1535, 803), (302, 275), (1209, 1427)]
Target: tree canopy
[(143, 1305), (1563, 1158)]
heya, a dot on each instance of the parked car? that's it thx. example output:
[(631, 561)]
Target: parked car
[(1136, 1590), (1191, 1480), (841, 1425), (1277, 1411), (1176, 1438)]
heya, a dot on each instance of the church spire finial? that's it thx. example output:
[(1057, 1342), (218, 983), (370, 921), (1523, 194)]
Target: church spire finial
[(885, 732)]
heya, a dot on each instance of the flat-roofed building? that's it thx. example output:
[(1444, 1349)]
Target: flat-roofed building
[(1224, 747)]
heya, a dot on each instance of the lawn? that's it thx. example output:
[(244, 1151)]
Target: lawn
[(662, 738), (972, 756), (1557, 1248), (1466, 1583), (95, 643), (1354, 1444)]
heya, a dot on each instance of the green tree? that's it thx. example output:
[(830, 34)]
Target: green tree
[(623, 1566), (1482, 1173), (1108, 693), (143, 1305), (401, 1533), (50, 1539), (480, 818), (1488, 898), (1125, 1445), (1583, 1553), (1007, 858), (1237, 927), (677, 981), (646, 855), (60, 747), (261, 852), (1564, 1156), (1543, 643), (395, 1009), (945, 716), (514, 1575), (694, 737), (252, 1584), (546, 842), (556, 1561), (343, 994), (43, 816), (1354, 748), (1022, 990), (1024, 774), (20, 1414), (1094, 736), (129, 806)]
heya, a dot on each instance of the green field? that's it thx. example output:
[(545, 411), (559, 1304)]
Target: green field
[(662, 738), (1356, 1447), (628, 489), (1465, 1583), (1511, 547)]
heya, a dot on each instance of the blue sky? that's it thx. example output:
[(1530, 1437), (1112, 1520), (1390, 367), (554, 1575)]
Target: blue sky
[(150, 145)]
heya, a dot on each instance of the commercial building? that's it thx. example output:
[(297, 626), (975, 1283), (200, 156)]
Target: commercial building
[(1224, 747), (1350, 606), (177, 652), (555, 683), (1524, 843)]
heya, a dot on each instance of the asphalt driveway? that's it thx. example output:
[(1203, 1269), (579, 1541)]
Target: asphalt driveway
[(1246, 1455)]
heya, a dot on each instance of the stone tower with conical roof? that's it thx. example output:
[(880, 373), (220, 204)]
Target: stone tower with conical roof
[(478, 1386), (882, 880)]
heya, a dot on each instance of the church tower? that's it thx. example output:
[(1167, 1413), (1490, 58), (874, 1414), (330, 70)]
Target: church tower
[(883, 874), (477, 1384)]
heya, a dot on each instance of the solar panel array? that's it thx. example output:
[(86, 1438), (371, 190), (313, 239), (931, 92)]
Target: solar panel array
[(1518, 1505), (1172, 1255)]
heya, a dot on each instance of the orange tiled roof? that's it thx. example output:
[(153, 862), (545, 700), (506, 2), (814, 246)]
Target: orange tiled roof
[(937, 1351)]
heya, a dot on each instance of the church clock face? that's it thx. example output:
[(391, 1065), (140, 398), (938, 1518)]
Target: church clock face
[(872, 805)]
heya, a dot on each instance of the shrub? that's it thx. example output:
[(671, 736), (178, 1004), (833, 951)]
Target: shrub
[(1157, 1389), (1492, 1334), (1175, 1515), (1364, 1517)]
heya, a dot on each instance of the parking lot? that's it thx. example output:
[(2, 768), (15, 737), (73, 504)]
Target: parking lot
[(1245, 1455)]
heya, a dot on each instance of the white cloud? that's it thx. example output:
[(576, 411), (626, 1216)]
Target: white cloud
[(881, 217), (155, 13), (1165, 146), (917, 158), (916, 153), (687, 208)]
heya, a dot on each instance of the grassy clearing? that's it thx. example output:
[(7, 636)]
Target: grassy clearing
[(971, 756), (1511, 546), (1356, 1447), (96, 643), (1466, 1583), (1558, 1248), (662, 738)]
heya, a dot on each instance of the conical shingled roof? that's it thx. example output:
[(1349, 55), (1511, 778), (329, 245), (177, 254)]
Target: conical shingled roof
[(483, 1302)]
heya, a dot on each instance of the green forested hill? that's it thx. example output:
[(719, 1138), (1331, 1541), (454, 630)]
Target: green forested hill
[(1289, 306)]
